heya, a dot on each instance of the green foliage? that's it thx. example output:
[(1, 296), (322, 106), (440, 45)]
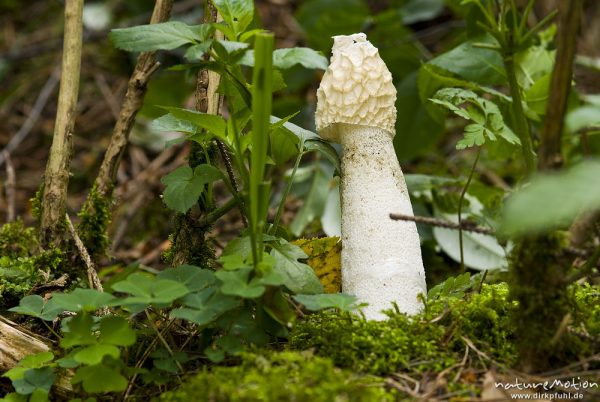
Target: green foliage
[(22, 265), (281, 376), (340, 301), (185, 185), (553, 200), (163, 36), (386, 347), (485, 115)]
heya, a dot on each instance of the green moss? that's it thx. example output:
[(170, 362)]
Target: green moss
[(93, 225), (22, 266), (285, 376), (16, 240), (36, 203), (586, 310), (403, 343)]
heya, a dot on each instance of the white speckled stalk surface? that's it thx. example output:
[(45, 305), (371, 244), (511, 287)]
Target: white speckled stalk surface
[(381, 258)]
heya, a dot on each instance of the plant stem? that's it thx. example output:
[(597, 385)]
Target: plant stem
[(261, 111), (521, 123), (288, 188), (460, 204), (56, 177), (560, 86)]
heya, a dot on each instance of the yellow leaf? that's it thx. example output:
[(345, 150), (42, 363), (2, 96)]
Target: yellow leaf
[(324, 258)]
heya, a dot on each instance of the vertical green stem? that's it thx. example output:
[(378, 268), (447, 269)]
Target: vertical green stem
[(287, 189), (521, 123), (460, 205), (261, 111)]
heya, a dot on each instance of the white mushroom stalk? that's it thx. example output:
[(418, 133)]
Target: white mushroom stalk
[(381, 258)]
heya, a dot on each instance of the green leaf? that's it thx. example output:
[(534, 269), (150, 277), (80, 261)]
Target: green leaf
[(99, 379), (455, 286), (317, 302), (481, 252), (35, 306), (205, 306), (235, 283), (553, 200), (237, 14), (33, 379), (326, 150), (210, 122), (184, 185), (79, 331), (583, 117), (283, 145), (149, 290), (115, 331), (487, 118), (168, 122), (86, 300), (299, 277), (472, 63), (94, 354), (166, 36), (421, 10), (314, 202), (29, 305), (194, 278), (417, 131), (306, 57)]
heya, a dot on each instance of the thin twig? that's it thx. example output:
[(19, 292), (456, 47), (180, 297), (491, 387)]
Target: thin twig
[(92, 275), (468, 226), (11, 184), (460, 205), (35, 113)]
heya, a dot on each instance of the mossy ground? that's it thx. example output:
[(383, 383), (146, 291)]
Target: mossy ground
[(22, 264), (448, 350)]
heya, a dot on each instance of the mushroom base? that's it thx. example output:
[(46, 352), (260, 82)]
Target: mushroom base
[(381, 258)]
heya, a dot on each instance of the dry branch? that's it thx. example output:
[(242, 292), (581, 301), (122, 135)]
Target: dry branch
[(56, 177), (134, 97)]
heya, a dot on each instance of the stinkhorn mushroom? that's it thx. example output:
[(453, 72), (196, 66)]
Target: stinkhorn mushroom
[(381, 258)]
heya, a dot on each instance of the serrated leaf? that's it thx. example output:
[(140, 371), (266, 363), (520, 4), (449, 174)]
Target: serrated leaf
[(236, 13), (306, 57), (162, 36), (317, 302)]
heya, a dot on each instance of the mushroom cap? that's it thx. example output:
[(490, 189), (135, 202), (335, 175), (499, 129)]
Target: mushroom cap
[(356, 88)]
